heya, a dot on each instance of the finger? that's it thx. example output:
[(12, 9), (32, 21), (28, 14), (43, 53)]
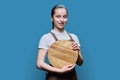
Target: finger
[(73, 65), (75, 48), (71, 68), (67, 66), (70, 65), (74, 43)]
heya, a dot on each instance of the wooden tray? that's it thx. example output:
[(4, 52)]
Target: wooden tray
[(61, 54)]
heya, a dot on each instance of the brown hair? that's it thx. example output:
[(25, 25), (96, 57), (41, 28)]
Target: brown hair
[(53, 11)]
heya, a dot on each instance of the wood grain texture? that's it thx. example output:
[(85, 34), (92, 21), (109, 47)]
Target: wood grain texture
[(61, 54)]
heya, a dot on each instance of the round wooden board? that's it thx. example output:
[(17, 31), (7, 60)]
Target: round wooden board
[(61, 54)]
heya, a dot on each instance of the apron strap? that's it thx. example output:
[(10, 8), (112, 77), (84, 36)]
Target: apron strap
[(71, 39), (56, 39)]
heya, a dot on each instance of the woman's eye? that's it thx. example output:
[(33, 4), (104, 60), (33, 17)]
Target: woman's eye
[(65, 16), (58, 16)]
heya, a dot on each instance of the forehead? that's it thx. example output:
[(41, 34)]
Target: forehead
[(60, 11)]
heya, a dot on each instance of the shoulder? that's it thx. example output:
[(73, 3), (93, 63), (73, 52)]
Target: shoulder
[(73, 35), (75, 38), (46, 36)]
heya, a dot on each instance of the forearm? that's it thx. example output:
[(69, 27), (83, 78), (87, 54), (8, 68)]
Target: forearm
[(44, 66), (80, 59), (41, 62), (47, 67)]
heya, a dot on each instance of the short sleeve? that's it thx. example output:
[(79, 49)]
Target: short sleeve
[(43, 43), (75, 39)]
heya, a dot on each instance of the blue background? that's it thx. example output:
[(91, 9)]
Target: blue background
[(96, 22)]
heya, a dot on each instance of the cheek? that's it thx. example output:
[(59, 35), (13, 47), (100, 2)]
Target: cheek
[(56, 19), (66, 20)]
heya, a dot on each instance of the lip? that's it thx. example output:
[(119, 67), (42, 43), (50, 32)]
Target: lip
[(61, 24)]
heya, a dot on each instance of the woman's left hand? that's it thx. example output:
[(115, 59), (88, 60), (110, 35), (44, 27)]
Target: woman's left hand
[(75, 46)]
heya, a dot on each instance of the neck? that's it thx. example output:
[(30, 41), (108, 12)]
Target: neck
[(59, 30)]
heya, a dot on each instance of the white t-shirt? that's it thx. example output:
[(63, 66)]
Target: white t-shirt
[(47, 39)]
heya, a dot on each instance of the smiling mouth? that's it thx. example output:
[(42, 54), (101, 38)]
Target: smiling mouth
[(61, 24)]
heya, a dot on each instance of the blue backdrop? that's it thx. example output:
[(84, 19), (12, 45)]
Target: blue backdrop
[(96, 22)]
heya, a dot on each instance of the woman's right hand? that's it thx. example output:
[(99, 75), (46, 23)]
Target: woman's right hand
[(44, 66), (67, 68)]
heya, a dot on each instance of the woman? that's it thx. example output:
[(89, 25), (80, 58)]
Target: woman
[(59, 17)]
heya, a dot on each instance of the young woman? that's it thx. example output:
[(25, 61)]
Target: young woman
[(59, 17)]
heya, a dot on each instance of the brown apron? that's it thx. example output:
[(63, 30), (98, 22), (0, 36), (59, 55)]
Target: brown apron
[(65, 76)]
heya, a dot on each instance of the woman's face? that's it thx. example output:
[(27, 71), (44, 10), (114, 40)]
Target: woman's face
[(59, 18)]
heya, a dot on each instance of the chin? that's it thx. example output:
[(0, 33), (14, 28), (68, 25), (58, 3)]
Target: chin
[(61, 26)]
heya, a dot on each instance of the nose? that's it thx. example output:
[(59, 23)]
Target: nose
[(62, 19)]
